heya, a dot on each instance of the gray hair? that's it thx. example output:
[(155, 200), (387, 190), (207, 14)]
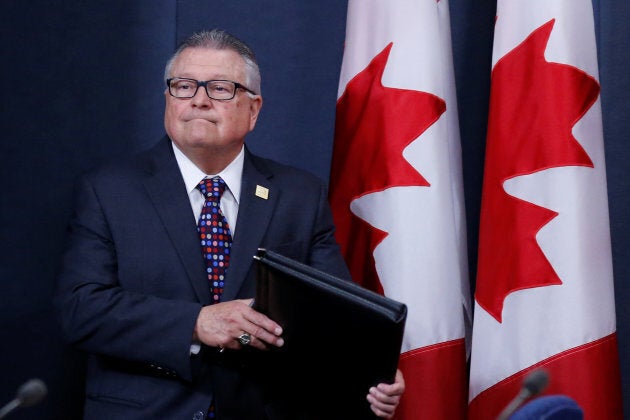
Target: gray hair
[(218, 39)]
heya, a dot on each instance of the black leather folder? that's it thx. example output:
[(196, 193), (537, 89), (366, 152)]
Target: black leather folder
[(340, 338)]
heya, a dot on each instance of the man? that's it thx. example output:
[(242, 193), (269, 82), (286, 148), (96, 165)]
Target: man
[(161, 305)]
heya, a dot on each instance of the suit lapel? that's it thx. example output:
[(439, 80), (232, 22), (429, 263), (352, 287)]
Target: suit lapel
[(254, 214), (167, 191)]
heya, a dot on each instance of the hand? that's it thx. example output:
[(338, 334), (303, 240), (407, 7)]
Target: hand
[(221, 324), (384, 398)]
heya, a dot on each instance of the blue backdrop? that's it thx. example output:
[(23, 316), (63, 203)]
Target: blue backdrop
[(82, 83)]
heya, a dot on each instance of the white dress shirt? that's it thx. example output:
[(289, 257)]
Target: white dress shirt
[(232, 176)]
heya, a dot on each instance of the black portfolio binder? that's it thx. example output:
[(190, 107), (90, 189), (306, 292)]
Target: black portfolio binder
[(340, 338)]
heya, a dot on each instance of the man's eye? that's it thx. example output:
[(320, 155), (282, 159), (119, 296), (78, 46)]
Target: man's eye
[(219, 88)]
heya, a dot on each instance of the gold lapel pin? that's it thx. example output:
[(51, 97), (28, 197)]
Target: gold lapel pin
[(262, 192)]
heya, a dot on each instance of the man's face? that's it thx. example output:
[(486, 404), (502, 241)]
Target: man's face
[(200, 124)]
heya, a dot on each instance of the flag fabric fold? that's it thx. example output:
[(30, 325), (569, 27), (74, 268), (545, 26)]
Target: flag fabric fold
[(396, 189), (544, 293)]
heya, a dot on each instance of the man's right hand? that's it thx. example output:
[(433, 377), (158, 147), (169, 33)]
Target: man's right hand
[(221, 324)]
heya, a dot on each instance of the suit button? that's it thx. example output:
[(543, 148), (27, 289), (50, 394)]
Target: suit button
[(198, 415)]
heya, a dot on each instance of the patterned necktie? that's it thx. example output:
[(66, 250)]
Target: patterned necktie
[(215, 236)]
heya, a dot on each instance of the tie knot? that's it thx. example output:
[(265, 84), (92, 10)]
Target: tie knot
[(212, 188)]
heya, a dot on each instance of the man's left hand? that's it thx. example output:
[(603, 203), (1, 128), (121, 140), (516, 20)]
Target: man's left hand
[(384, 398)]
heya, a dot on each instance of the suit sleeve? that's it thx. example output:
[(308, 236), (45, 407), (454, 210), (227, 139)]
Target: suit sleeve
[(325, 252), (100, 316)]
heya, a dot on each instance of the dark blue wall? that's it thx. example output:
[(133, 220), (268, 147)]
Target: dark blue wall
[(82, 82)]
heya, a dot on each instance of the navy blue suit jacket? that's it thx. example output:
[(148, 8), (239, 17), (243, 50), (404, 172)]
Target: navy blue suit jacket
[(133, 282)]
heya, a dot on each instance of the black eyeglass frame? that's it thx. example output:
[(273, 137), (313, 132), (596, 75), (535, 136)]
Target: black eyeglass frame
[(205, 87)]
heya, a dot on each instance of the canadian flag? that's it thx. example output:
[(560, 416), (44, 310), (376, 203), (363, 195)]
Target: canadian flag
[(544, 294), (396, 189)]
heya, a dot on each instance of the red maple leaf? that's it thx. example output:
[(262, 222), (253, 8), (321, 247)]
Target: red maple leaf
[(533, 107), (374, 125)]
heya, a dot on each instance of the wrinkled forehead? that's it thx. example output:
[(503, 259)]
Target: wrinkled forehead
[(208, 63)]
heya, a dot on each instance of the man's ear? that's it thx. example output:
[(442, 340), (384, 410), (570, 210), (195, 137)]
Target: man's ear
[(254, 107)]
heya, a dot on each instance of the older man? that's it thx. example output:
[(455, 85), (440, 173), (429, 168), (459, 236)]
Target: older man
[(158, 275)]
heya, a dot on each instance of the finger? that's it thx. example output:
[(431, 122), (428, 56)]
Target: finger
[(381, 409), (262, 328), (400, 381), (384, 399), (397, 388), (254, 342), (261, 338), (381, 414), (390, 399), (262, 321), (394, 389)]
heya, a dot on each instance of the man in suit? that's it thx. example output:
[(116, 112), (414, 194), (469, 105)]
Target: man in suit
[(169, 336)]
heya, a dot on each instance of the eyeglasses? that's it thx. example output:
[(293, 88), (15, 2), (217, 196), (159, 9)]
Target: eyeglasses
[(220, 90)]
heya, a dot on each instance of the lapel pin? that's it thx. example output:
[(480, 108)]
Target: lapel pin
[(262, 192)]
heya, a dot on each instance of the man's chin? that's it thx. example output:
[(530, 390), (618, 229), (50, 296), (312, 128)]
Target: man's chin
[(201, 133), (201, 142)]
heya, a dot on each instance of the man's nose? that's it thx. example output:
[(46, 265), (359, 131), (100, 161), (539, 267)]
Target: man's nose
[(201, 97)]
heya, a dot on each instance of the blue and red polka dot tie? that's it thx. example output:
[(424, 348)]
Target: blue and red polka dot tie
[(214, 232)]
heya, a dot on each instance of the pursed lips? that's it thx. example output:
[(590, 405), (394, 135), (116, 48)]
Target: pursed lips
[(198, 118)]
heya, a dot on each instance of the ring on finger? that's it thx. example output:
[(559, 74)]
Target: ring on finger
[(245, 339)]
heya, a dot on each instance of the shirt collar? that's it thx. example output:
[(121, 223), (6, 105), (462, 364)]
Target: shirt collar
[(232, 174)]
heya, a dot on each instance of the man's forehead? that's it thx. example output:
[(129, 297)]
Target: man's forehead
[(208, 60)]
